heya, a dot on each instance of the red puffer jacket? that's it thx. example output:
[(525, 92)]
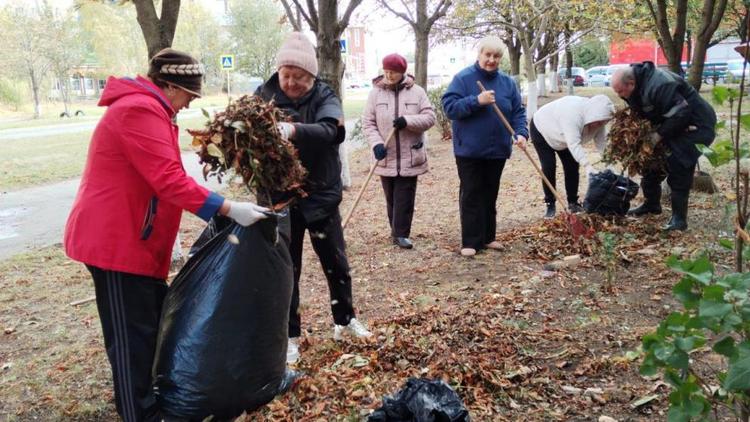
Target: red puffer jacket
[(127, 211)]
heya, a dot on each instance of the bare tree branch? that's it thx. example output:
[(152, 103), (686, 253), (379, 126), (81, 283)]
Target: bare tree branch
[(344, 22), (293, 18), (401, 15), (440, 11), (314, 16)]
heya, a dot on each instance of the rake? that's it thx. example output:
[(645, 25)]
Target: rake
[(577, 228)]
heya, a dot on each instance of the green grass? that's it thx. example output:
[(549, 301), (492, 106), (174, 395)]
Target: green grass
[(353, 107), (35, 161), (51, 113)]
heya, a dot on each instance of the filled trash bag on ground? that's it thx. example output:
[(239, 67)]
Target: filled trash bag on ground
[(222, 340), (422, 400), (609, 194)]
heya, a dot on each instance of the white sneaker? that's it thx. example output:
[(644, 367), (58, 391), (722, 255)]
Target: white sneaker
[(354, 328), (292, 350)]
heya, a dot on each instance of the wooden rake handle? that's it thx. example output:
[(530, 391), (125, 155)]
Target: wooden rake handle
[(367, 181), (533, 162)]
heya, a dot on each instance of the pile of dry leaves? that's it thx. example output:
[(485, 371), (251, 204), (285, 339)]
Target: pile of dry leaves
[(245, 138), (488, 361), (630, 144)]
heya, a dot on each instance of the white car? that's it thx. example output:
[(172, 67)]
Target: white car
[(734, 68)]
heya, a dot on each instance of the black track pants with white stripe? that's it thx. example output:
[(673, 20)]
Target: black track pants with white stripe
[(129, 309)]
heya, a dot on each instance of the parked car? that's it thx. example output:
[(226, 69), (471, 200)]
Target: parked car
[(611, 69), (578, 74), (597, 80), (734, 68), (596, 70)]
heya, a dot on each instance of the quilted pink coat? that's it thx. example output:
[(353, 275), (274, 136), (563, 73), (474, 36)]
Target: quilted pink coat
[(406, 151)]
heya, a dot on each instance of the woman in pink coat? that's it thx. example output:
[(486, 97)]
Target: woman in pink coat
[(397, 104)]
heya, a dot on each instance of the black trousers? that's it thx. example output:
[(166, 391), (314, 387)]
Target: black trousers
[(129, 309), (549, 167), (679, 178), (399, 199), (327, 238), (479, 184)]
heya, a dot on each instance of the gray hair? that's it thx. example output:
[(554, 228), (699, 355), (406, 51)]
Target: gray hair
[(624, 75), (491, 43)]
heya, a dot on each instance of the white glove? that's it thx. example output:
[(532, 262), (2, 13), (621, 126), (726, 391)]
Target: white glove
[(590, 169), (286, 130), (655, 138), (246, 213)]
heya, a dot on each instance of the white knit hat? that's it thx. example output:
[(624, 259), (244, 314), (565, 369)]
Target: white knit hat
[(298, 51)]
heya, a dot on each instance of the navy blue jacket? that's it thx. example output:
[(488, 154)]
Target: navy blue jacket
[(477, 130)]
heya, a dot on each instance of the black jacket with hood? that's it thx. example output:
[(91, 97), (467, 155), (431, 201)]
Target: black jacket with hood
[(681, 116), (319, 130)]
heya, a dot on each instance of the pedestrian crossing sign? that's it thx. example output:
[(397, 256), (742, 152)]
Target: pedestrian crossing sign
[(227, 62)]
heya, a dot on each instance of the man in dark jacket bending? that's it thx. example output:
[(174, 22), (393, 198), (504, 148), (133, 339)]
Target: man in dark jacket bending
[(682, 119)]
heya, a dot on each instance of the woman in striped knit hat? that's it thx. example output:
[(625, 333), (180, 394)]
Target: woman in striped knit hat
[(127, 212)]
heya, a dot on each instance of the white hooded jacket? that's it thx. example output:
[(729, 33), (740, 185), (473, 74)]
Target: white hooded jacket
[(562, 123)]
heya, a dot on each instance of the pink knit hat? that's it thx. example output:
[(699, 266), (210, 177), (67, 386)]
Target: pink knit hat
[(297, 51)]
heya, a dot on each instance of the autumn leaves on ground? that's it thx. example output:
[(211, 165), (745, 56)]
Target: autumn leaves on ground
[(516, 341)]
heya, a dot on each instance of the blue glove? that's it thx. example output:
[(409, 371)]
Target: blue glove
[(379, 151)]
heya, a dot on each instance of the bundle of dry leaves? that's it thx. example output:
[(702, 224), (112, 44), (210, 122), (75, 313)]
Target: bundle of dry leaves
[(245, 138), (630, 144)]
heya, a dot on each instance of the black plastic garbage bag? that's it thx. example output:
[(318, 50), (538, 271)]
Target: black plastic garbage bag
[(609, 194), (422, 400), (222, 340)]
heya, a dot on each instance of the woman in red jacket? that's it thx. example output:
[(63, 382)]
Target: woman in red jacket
[(127, 212)]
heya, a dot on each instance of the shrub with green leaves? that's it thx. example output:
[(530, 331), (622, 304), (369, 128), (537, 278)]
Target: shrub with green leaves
[(443, 123), (716, 317), (11, 94)]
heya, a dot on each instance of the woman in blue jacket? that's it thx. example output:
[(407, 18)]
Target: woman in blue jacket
[(481, 143)]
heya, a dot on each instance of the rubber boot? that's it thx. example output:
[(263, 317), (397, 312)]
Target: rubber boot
[(652, 202), (679, 212)]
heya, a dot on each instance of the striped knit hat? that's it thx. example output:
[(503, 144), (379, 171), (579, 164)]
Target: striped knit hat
[(177, 68)]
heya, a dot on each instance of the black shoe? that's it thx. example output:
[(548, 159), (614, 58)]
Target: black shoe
[(679, 212), (403, 242), (575, 207), (550, 214), (645, 208)]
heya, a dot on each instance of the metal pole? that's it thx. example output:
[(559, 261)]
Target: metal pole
[(229, 95)]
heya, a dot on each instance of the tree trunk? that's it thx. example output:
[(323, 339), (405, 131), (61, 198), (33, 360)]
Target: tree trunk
[(553, 62), (420, 56), (671, 42), (35, 92), (158, 31), (514, 55), (330, 65), (541, 77), (531, 99), (713, 11)]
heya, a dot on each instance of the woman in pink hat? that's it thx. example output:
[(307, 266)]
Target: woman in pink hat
[(397, 104)]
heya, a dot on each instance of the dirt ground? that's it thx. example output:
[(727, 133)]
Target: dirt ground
[(516, 341)]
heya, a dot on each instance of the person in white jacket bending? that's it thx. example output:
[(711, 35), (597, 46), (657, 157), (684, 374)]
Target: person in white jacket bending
[(561, 127)]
